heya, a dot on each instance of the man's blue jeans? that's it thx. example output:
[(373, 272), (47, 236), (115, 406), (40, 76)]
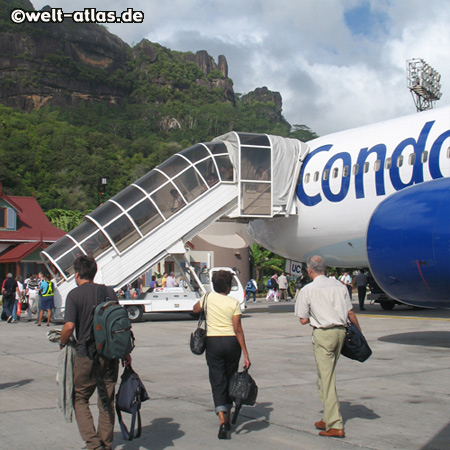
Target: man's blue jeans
[(14, 314), (8, 305), (248, 296)]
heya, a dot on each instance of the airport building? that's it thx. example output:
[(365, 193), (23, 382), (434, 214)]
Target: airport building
[(24, 232)]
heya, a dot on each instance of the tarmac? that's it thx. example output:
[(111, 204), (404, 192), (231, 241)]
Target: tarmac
[(398, 399)]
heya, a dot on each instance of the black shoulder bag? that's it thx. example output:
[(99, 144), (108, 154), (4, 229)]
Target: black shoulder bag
[(198, 337)]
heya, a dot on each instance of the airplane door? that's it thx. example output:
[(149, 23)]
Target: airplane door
[(255, 175)]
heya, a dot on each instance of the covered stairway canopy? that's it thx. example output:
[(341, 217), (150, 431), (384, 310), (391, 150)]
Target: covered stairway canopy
[(240, 175)]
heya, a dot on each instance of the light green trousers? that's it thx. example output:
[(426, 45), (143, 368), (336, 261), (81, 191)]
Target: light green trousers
[(327, 344)]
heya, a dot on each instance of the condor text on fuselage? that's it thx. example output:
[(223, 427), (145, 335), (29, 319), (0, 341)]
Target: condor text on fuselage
[(408, 161)]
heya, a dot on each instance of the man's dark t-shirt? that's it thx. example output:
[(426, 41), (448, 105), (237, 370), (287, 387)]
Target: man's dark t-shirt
[(10, 287), (80, 305), (361, 279)]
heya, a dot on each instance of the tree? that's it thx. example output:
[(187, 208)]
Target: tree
[(265, 262), (64, 219), (303, 133)]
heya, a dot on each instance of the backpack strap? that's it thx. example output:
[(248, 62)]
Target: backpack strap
[(237, 408), (102, 295), (90, 343), (135, 414), (101, 387)]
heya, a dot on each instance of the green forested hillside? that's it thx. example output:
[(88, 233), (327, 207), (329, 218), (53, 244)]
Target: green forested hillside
[(59, 155), (165, 102)]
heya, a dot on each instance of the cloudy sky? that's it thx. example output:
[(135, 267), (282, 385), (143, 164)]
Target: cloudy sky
[(338, 64)]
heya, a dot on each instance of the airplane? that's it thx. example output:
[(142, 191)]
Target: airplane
[(374, 197)]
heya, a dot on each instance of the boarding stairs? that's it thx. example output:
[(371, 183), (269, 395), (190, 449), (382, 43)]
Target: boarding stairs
[(240, 176)]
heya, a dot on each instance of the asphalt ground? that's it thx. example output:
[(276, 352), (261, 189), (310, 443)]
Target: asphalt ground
[(398, 399)]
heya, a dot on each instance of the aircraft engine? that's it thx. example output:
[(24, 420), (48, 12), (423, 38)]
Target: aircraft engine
[(408, 244)]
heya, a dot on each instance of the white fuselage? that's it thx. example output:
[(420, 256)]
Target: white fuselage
[(343, 179)]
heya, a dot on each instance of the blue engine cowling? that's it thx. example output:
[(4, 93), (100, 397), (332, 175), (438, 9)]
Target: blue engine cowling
[(408, 244)]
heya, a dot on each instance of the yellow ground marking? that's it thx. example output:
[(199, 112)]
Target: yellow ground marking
[(405, 317)]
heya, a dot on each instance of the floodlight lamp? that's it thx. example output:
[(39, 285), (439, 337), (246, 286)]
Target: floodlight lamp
[(423, 83)]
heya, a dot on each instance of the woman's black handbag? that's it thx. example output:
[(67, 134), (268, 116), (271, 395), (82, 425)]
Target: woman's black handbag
[(198, 337), (355, 344), (243, 391), (129, 397)]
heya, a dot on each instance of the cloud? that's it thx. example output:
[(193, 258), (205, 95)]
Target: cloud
[(338, 64)]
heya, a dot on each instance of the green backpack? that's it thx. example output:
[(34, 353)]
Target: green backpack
[(112, 329)]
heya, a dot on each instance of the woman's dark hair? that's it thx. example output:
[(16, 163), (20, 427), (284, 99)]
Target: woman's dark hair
[(86, 267), (222, 281)]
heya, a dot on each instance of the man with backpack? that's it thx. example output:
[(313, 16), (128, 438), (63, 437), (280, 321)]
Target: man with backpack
[(251, 289), (272, 287), (89, 373)]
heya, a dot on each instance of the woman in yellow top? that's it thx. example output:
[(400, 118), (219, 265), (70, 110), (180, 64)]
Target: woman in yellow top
[(224, 343)]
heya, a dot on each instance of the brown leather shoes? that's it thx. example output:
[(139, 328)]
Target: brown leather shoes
[(320, 425), (333, 432)]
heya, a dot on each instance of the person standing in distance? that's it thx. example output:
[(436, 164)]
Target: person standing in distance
[(46, 299), (171, 281), (361, 281), (78, 318), (283, 286), (9, 296), (325, 305), (347, 280)]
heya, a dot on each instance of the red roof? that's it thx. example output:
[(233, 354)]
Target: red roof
[(10, 201), (20, 252), (32, 224)]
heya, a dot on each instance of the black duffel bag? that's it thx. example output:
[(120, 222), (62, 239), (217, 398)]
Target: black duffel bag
[(243, 391), (355, 344)]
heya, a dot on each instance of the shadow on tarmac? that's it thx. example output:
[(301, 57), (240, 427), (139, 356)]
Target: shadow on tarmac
[(422, 338), (15, 384), (351, 411), (166, 317), (259, 419), (439, 441), (160, 434)]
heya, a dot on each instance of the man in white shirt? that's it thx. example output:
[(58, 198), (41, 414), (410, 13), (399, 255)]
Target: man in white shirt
[(325, 305), (347, 280), (171, 281), (282, 286)]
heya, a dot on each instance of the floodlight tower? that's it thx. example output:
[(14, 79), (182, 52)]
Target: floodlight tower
[(423, 83)]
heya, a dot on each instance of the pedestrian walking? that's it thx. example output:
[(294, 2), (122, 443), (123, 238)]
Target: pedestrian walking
[(326, 306), (224, 343), (78, 319)]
